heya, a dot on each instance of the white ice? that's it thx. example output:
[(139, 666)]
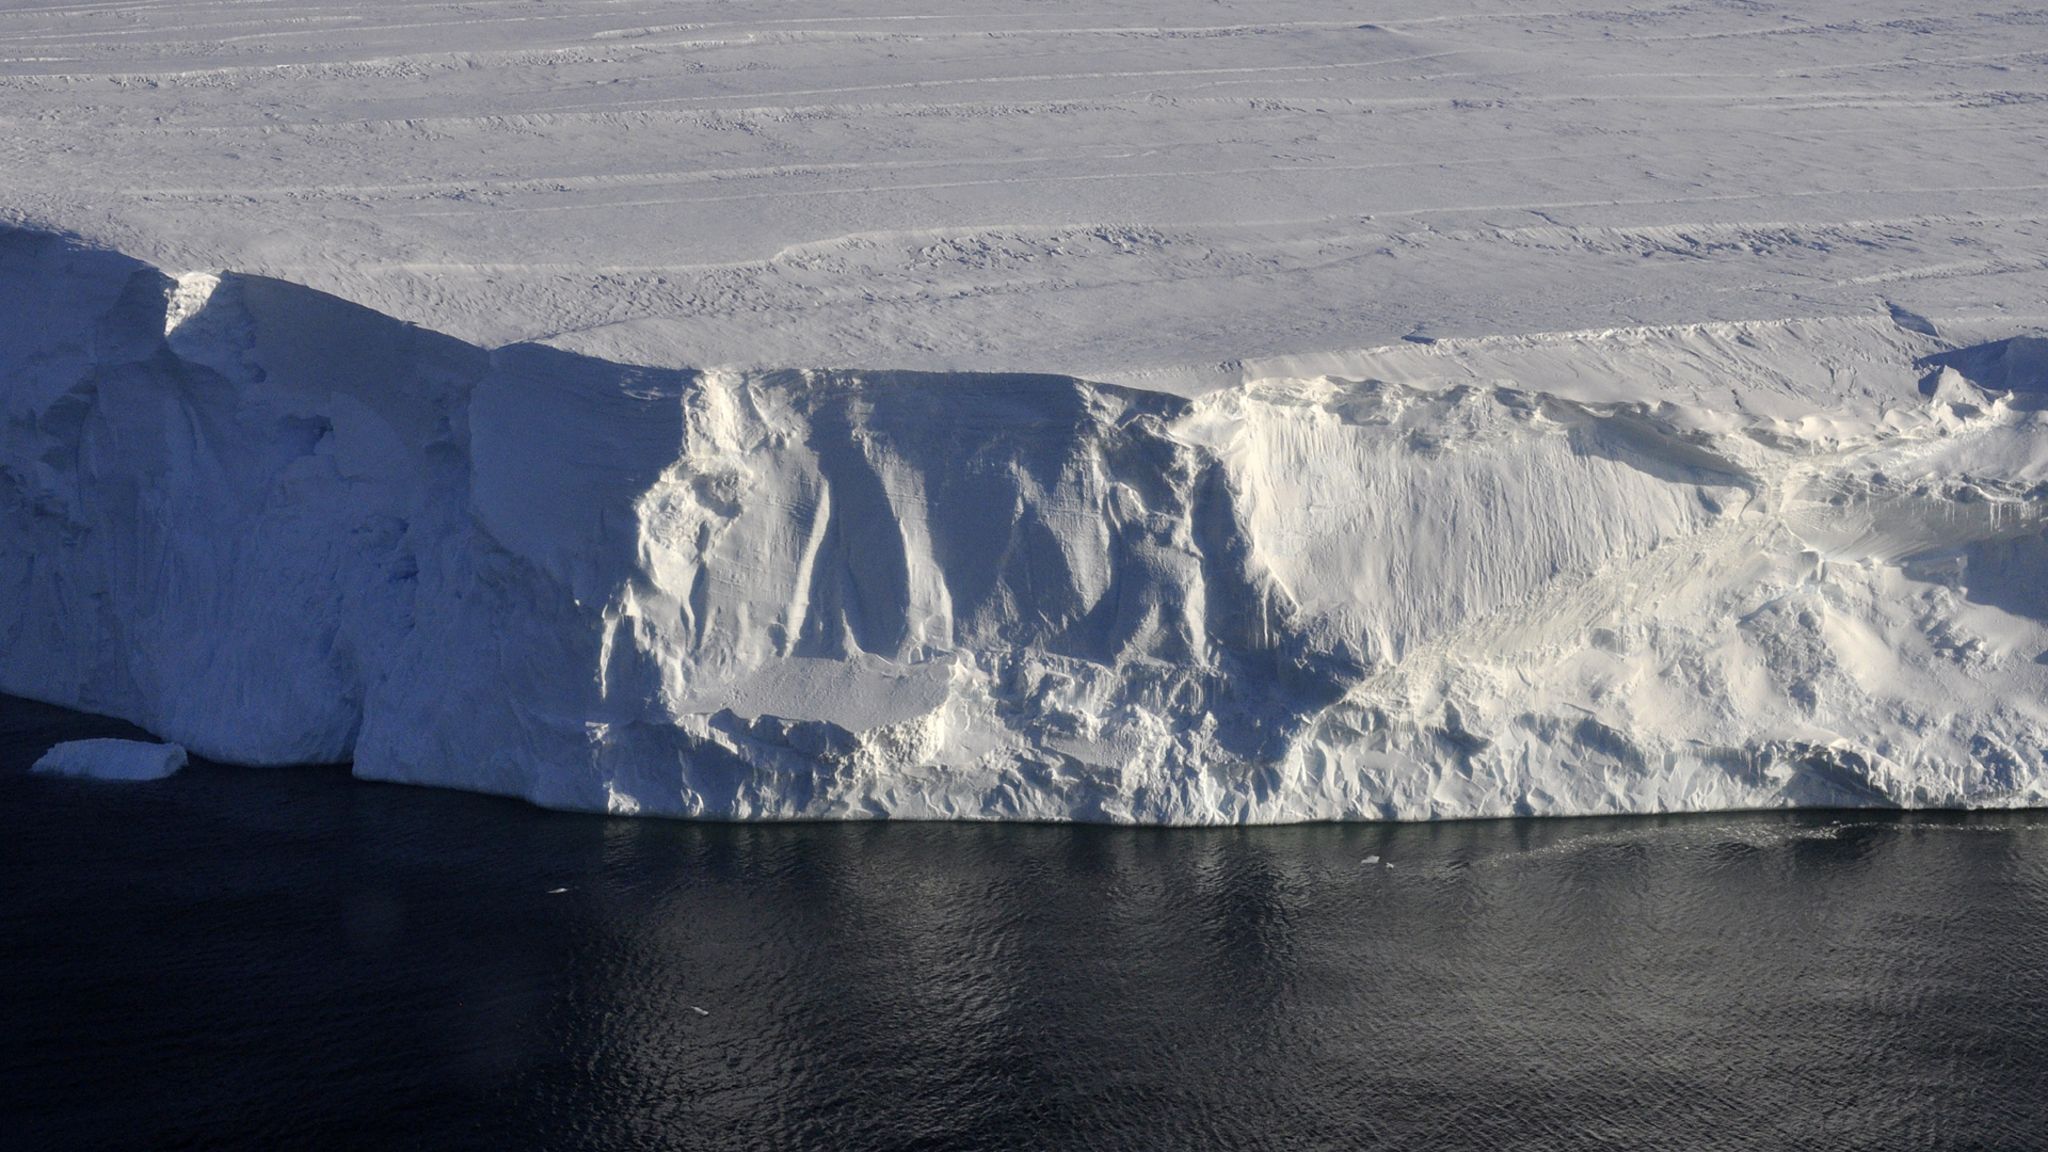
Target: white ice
[(112, 760)]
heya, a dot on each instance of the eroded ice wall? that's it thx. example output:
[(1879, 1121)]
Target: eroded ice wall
[(1646, 570)]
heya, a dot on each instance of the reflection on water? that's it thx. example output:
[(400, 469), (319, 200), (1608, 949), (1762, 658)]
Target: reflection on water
[(272, 957)]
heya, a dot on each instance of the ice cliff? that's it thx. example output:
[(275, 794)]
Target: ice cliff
[(1639, 570)]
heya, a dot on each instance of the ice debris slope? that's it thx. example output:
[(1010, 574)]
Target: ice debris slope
[(1803, 563)]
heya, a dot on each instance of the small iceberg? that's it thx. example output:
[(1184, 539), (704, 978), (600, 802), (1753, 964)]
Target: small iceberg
[(112, 759)]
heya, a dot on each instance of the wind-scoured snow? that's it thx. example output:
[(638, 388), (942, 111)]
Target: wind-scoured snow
[(1799, 563), (1118, 411), (112, 760)]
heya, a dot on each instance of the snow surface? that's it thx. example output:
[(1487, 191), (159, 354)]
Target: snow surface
[(112, 760), (1097, 188), (1134, 412)]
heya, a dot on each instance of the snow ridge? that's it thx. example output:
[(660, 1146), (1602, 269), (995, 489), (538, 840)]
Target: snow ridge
[(1801, 563)]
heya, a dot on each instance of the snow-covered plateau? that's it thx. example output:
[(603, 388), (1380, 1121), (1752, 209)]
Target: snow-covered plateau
[(1135, 413)]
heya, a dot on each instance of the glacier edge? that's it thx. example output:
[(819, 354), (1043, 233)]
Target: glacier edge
[(1715, 567)]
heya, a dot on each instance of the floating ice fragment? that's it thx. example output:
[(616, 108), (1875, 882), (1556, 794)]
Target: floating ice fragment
[(112, 759)]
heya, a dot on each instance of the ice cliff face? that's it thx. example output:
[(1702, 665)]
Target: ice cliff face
[(1627, 571)]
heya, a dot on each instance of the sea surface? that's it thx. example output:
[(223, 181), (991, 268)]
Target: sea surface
[(245, 958)]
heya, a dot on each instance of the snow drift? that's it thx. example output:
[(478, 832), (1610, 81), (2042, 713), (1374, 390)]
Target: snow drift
[(1641, 570)]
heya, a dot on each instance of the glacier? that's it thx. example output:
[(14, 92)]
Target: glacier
[(1643, 569)]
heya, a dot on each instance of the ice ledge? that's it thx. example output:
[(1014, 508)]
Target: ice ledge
[(1653, 570), (191, 292)]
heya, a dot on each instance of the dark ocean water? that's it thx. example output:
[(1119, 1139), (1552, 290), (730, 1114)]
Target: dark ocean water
[(271, 959)]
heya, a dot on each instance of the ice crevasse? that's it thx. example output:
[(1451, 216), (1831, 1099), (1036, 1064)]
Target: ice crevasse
[(1802, 562)]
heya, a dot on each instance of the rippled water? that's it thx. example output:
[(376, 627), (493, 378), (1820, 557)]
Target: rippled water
[(272, 958)]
